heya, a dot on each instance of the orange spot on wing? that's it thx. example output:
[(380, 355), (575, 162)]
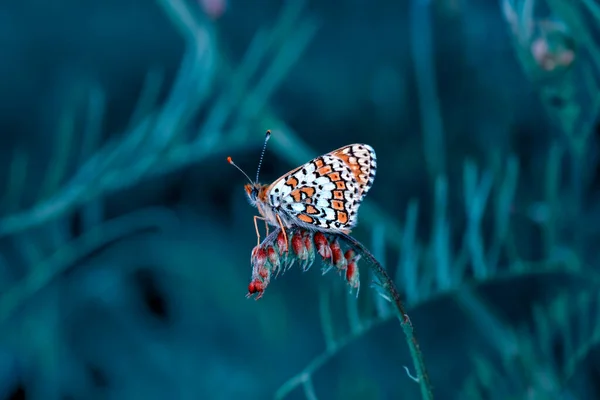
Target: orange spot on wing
[(319, 163), (340, 185), (354, 167), (303, 194), (311, 210), (305, 218), (296, 195), (308, 191), (324, 170), (342, 217), (334, 176), (337, 205), (338, 194), (292, 181), (344, 157)]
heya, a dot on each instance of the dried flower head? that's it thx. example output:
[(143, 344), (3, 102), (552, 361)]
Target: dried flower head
[(337, 251), (270, 257)]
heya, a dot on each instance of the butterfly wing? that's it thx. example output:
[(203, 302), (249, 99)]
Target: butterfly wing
[(361, 160), (326, 192)]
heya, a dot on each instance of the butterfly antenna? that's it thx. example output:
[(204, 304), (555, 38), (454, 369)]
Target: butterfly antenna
[(262, 154), (230, 161)]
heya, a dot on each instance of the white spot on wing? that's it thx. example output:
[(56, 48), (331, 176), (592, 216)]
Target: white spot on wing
[(329, 213)]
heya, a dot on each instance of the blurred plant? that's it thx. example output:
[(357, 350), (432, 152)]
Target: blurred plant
[(69, 250), (561, 56), (273, 256), (545, 45), (160, 137), (542, 362), (30, 330), (422, 51), (213, 8)]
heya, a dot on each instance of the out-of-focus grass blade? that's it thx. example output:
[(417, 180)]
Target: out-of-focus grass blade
[(17, 174)]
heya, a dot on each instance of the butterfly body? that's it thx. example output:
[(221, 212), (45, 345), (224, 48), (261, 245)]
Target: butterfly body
[(323, 195), (258, 196)]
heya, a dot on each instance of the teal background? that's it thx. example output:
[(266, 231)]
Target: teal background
[(125, 237)]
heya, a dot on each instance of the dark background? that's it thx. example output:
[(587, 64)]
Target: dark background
[(125, 237)]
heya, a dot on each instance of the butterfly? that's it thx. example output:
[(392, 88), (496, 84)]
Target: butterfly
[(322, 195)]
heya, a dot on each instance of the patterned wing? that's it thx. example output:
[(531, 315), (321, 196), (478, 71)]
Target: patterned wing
[(326, 192), (361, 160)]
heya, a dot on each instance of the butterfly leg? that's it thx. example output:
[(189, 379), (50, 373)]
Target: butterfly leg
[(256, 227), (284, 233)]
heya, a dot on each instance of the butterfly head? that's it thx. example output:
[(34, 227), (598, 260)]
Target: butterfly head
[(252, 190), (255, 191)]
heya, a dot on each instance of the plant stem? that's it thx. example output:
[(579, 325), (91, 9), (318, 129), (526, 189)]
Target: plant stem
[(390, 288)]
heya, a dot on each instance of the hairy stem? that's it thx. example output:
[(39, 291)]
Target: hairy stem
[(390, 288)]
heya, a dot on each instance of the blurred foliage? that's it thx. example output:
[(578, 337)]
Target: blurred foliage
[(125, 237)]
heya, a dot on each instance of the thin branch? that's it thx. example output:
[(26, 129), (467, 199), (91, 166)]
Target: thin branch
[(309, 389), (388, 285), (519, 271), (326, 320)]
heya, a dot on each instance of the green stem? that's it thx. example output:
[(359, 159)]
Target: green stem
[(390, 289)]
